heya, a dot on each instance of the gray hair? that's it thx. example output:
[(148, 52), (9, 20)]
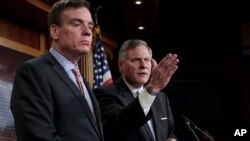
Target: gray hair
[(131, 44)]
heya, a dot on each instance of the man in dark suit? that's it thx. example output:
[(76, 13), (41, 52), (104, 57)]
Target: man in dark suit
[(46, 101), (147, 117)]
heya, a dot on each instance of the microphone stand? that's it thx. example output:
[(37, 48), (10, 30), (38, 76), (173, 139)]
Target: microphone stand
[(188, 125), (204, 133), (191, 125)]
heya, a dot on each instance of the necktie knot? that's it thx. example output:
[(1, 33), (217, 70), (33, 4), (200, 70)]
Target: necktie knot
[(76, 72), (78, 76), (137, 93)]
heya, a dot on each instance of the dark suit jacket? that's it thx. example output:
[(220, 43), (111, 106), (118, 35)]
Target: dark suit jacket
[(123, 117), (48, 106)]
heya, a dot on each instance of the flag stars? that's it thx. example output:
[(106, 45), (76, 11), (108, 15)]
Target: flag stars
[(102, 73)]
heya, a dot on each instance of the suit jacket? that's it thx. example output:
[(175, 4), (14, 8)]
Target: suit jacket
[(124, 119), (47, 105)]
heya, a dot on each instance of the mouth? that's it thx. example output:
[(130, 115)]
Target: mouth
[(86, 43), (142, 74)]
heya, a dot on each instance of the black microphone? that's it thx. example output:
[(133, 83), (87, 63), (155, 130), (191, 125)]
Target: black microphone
[(187, 123), (193, 125)]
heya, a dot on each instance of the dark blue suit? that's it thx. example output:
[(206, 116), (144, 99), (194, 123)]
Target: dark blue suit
[(48, 106)]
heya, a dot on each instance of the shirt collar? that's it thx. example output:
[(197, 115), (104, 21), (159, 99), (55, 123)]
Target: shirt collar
[(67, 65), (133, 89)]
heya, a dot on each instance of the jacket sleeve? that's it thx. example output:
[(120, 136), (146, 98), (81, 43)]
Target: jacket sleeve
[(119, 119)]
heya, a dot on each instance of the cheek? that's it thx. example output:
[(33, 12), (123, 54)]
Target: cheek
[(68, 34), (149, 70), (65, 37), (125, 69), (131, 71)]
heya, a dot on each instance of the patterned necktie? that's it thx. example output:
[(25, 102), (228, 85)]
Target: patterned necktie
[(78, 79), (80, 83)]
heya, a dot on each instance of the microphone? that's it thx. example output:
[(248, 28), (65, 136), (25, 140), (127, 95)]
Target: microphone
[(192, 125), (187, 123)]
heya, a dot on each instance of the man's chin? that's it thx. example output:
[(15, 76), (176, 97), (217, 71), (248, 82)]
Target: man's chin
[(143, 81), (85, 50)]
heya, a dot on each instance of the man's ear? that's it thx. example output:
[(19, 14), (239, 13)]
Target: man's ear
[(153, 64), (54, 31), (120, 63)]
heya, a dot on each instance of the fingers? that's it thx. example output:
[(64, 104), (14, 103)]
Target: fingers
[(169, 64), (169, 60), (162, 73)]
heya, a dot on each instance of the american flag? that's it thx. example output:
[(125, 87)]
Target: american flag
[(102, 74)]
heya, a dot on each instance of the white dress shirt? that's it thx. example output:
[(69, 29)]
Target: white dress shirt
[(145, 99)]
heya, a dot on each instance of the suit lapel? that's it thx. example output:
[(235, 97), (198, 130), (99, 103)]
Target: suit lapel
[(156, 118), (127, 96), (148, 131), (96, 107)]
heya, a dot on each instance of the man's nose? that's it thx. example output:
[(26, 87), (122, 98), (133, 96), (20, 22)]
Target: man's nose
[(86, 30), (143, 63)]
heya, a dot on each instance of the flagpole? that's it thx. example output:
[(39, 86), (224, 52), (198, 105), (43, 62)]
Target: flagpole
[(97, 9), (96, 28)]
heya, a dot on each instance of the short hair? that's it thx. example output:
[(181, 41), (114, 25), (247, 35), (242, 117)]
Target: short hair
[(54, 16), (131, 44), (55, 13)]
